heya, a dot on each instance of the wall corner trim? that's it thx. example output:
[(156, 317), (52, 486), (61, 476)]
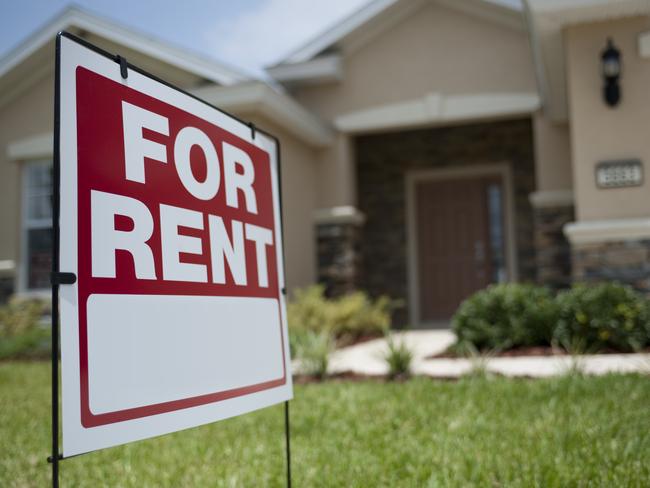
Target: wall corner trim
[(644, 44)]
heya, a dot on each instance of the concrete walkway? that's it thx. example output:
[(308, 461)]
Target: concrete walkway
[(367, 359)]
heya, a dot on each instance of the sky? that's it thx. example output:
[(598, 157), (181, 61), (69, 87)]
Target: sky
[(245, 34)]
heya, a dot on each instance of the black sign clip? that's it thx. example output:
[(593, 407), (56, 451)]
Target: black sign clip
[(124, 71), (253, 129), (50, 459), (63, 278)]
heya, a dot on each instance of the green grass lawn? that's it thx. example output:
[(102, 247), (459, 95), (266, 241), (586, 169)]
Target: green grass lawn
[(571, 431)]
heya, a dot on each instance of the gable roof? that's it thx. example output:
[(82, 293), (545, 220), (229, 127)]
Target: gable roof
[(75, 18), (33, 60), (371, 15)]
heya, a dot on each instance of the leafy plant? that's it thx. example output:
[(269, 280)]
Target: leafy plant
[(593, 317), (478, 359), (313, 349), (346, 318), (607, 315), (21, 331), (399, 358), (576, 346), (504, 316)]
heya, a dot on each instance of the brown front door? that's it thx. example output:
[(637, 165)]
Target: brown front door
[(460, 241)]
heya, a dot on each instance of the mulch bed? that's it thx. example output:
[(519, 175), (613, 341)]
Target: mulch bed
[(528, 351), (305, 379)]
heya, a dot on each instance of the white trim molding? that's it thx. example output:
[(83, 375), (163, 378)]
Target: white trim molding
[(551, 198), (33, 147), (346, 214), (644, 44), (436, 108), (7, 267), (436, 174), (598, 231), (262, 99), (322, 69)]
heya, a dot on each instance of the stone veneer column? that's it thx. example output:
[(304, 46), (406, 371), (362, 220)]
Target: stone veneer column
[(338, 241), (613, 250), (6, 288), (552, 210)]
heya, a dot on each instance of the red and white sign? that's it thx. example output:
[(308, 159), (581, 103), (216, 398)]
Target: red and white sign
[(170, 219)]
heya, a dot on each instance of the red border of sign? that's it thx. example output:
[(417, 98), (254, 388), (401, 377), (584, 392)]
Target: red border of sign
[(89, 419)]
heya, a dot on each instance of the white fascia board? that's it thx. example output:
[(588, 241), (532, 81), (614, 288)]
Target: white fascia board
[(73, 17), (571, 12), (598, 231), (436, 109), (321, 69), (505, 15), (278, 107), (34, 147), (337, 32)]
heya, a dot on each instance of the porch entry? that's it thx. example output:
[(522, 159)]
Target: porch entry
[(460, 241)]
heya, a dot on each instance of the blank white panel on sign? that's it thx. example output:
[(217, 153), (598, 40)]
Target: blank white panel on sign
[(143, 348)]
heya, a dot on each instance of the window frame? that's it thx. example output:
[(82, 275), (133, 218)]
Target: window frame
[(27, 224)]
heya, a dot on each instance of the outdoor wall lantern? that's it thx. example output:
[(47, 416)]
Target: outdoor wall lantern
[(611, 71)]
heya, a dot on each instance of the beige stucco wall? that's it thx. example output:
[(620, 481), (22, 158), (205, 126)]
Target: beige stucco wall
[(435, 49), (599, 132), (553, 168), (298, 203), (30, 114), (336, 173)]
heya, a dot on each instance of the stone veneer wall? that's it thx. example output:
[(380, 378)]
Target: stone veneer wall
[(553, 251), (6, 288), (382, 163), (624, 261), (338, 256)]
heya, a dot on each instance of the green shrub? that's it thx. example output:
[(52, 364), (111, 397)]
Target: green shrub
[(399, 357), (504, 316), (346, 318), (313, 349), (22, 335), (607, 315)]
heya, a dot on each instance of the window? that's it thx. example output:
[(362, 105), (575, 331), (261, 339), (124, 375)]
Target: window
[(37, 225), (497, 231)]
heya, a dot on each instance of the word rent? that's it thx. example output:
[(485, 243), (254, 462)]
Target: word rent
[(233, 176)]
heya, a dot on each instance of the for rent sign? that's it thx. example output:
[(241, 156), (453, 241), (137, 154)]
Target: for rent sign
[(170, 219)]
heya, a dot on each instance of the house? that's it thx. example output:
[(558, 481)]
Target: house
[(26, 127), (429, 147)]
